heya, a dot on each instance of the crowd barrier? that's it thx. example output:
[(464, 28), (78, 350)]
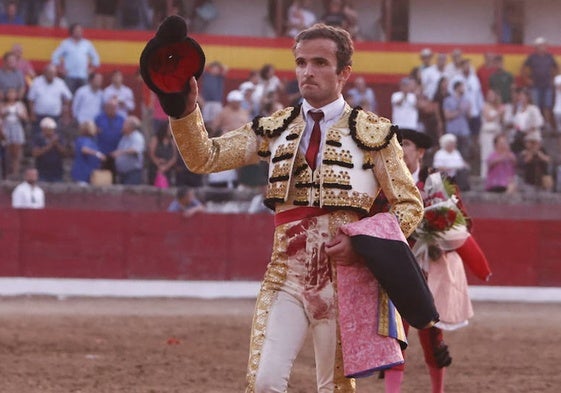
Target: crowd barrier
[(160, 245)]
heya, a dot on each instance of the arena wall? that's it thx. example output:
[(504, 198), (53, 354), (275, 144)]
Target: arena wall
[(159, 245)]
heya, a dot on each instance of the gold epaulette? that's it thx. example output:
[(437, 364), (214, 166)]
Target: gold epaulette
[(272, 126), (370, 131)]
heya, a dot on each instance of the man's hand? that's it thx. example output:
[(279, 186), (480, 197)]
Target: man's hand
[(340, 250), (192, 96)]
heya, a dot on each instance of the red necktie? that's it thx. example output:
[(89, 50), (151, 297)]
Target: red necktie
[(315, 139)]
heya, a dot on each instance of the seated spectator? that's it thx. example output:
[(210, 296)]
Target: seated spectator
[(87, 155), (362, 95), (449, 161), (527, 119), (534, 163), (49, 152), (88, 101), (14, 117), (10, 16), (299, 17), (123, 94), (501, 164), (129, 155), (211, 92), (23, 64), (162, 154), (186, 203), (28, 195)]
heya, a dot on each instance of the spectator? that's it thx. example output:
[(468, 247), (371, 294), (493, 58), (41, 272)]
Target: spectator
[(557, 110), (534, 163), (186, 203), (23, 64), (110, 124), (442, 91), (30, 10), (11, 77), (28, 195), (501, 175), (485, 70), (268, 82), (538, 71), (362, 95), (87, 155), (88, 100), (247, 88), (162, 154), (77, 58), (299, 17), (14, 117), (449, 160), (212, 90), (270, 103), (454, 67), (431, 75), (340, 13), (48, 96), (502, 81), (104, 14), (404, 105), (456, 113), (123, 94), (49, 151), (203, 12), (52, 14), (134, 14), (130, 153), (292, 93), (492, 126), (10, 16), (527, 119)]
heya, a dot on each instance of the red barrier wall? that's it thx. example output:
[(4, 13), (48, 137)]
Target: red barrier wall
[(156, 245)]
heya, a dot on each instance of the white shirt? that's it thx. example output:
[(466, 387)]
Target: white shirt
[(405, 114), (331, 113), (429, 79), (26, 196), (87, 104), (124, 95), (557, 84), (472, 92), (47, 97), (449, 162)]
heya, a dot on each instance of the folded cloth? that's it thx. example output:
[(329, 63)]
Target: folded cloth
[(474, 258)]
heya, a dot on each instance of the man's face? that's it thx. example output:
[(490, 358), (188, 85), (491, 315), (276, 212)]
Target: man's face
[(31, 176), (316, 71), (412, 155)]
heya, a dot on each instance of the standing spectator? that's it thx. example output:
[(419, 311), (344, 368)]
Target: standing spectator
[(87, 155), (186, 203), (404, 105), (299, 17), (130, 153), (10, 16), (110, 124), (104, 14), (268, 82), (52, 14), (492, 126), (454, 67), (527, 119), (28, 195), (11, 77), (88, 100), (23, 64), (456, 113), (134, 14), (501, 175), (450, 161), (212, 90), (485, 70), (14, 117), (362, 95), (49, 151), (538, 71), (162, 154), (123, 94), (48, 96), (502, 81), (76, 56), (431, 75), (557, 109), (535, 162), (442, 91)]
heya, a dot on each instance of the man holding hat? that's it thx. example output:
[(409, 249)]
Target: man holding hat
[(49, 152)]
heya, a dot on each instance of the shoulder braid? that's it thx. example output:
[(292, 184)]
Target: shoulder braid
[(370, 131), (272, 126)]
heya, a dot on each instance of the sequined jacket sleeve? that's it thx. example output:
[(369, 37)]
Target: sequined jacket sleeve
[(398, 186), (202, 154)]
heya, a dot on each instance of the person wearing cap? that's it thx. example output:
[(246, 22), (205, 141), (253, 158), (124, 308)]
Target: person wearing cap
[(535, 163), (435, 350), (49, 152), (450, 161), (538, 71), (327, 162)]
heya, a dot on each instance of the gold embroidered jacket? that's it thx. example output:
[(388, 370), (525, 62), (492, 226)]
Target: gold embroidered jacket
[(360, 157)]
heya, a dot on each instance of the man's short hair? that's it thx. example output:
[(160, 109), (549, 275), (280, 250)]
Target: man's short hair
[(181, 192), (341, 37)]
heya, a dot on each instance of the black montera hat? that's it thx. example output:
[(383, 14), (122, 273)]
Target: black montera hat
[(420, 139)]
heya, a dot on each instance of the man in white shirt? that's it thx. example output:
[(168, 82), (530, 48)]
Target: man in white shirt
[(88, 101), (28, 195), (123, 94), (430, 76), (404, 105)]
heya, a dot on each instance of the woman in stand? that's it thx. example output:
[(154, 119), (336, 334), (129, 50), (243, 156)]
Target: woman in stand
[(501, 164), (87, 155), (492, 119), (162, 154)]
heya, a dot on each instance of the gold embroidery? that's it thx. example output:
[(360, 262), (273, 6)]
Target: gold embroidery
[(284, 152), (280, 172), (372, 131), (341, 178), (338, 156)]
